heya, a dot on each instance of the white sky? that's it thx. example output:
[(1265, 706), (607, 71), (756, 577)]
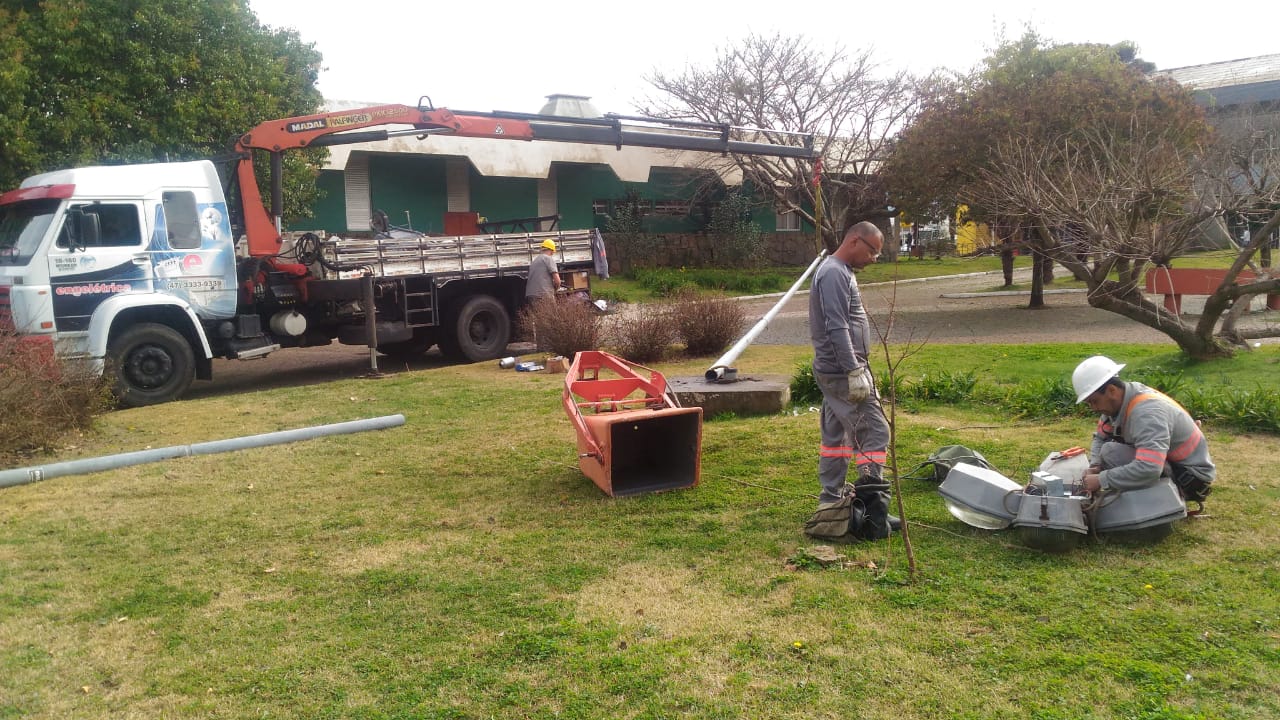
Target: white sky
[(505, 55)]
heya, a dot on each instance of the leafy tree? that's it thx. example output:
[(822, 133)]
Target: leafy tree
[(1026, 88), (784, 84), (1112, 207), (1120, 180), (114, 81), (739, 241)]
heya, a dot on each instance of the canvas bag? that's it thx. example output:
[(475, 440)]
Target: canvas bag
[(947, 456), (838, 522)]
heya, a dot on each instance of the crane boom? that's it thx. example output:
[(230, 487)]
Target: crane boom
[(350, 126)]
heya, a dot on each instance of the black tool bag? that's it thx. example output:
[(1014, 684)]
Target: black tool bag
[(1193, 488)]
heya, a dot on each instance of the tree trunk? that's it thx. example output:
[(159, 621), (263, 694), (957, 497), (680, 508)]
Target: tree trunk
[(1006, 260), (1038, 260), (1197, 345), (1047, 270)]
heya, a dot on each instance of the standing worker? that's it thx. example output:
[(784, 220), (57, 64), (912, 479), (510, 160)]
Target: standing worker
[(1142, 435), (544, 275), (852, 423)]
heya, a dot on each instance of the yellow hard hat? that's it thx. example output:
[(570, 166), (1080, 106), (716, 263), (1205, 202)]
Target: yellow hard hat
[(549, 244)]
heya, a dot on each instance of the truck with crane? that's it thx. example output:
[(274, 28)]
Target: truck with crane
[(149, 273)]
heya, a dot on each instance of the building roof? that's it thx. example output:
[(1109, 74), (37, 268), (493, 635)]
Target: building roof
[(578, 106), (1232, 82), (507, 158)]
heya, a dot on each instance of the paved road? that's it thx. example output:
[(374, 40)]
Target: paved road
[(922, 312)]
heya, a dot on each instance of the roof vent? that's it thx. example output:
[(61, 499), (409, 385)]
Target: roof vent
[(578, 106)]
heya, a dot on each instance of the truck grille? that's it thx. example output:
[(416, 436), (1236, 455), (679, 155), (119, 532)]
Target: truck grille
[(6, 310)]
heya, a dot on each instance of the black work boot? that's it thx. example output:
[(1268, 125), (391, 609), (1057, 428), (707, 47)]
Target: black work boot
[(873, 494)]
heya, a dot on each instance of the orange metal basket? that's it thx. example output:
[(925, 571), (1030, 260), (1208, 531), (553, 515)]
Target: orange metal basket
[(633, 436)]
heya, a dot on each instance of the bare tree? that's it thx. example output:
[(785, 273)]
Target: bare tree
[(1109, 205), (785, 83)]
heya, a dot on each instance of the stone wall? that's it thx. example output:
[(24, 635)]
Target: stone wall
[(676, 250)]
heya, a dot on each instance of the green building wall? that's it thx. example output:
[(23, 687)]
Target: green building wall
[(412, 184), (577, 187), (417, 184), (503, 198), (330, 211)]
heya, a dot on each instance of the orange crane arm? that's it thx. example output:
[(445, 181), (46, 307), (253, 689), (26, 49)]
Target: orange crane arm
[(349, 126)]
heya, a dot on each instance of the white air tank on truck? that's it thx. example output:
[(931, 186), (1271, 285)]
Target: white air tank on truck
[(137, 268)]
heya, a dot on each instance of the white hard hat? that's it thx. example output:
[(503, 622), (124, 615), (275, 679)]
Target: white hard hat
[(1093, 373)]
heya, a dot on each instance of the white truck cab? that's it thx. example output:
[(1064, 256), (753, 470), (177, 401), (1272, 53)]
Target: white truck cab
[(134, 269), (120, 262)]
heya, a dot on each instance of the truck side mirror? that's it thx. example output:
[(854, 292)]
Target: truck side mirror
[(83, 229)]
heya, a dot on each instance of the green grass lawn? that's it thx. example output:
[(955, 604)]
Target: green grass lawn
[(623, 289), (461, 566)]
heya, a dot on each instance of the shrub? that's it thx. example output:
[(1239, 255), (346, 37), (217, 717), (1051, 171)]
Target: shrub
[(944, 386), (643, 334), (707, 325), (611, 297), (1199, 402), (1249, 410), (664, 282), (42, 399), (804, 386), (1169, 382), (1042, 398), (561, 326), (805, 391), (739, 241), (892, 387)]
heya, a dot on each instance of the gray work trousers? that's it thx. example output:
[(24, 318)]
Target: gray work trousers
[(1114, 453), (858, 432)]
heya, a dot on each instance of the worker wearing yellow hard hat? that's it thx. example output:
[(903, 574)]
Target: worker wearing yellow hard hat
[(544, 276)]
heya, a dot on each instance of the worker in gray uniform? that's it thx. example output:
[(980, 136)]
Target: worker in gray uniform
[(852, 423), (544, 275), (1142, 435)]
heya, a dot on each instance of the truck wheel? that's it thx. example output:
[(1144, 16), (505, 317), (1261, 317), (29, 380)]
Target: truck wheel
[(479, 331), (150, 364)]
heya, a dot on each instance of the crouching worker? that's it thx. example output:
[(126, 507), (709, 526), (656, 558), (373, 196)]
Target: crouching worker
[(1142, 435)]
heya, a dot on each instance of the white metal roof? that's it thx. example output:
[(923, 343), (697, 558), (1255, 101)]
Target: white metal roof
[(516, 158), (1263, 68), (1232, 82)]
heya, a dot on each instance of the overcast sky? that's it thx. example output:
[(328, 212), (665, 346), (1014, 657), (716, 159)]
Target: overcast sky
[(502, 55)]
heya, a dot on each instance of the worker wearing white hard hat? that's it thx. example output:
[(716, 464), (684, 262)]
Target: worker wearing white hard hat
[(544, 275), (1143, 435)]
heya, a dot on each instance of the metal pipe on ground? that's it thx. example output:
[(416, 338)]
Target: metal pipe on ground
[(720, 370), (22, 476)]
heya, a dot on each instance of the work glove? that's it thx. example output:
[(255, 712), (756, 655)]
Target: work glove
[(860, 385)]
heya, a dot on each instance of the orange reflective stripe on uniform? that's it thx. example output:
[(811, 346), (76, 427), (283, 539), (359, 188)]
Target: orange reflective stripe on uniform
[(1150, 455), (876, 457), (824, 451), (1187, 447), (1147, 396)]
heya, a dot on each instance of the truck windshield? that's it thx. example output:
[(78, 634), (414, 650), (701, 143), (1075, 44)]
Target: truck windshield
[(22, 226)]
